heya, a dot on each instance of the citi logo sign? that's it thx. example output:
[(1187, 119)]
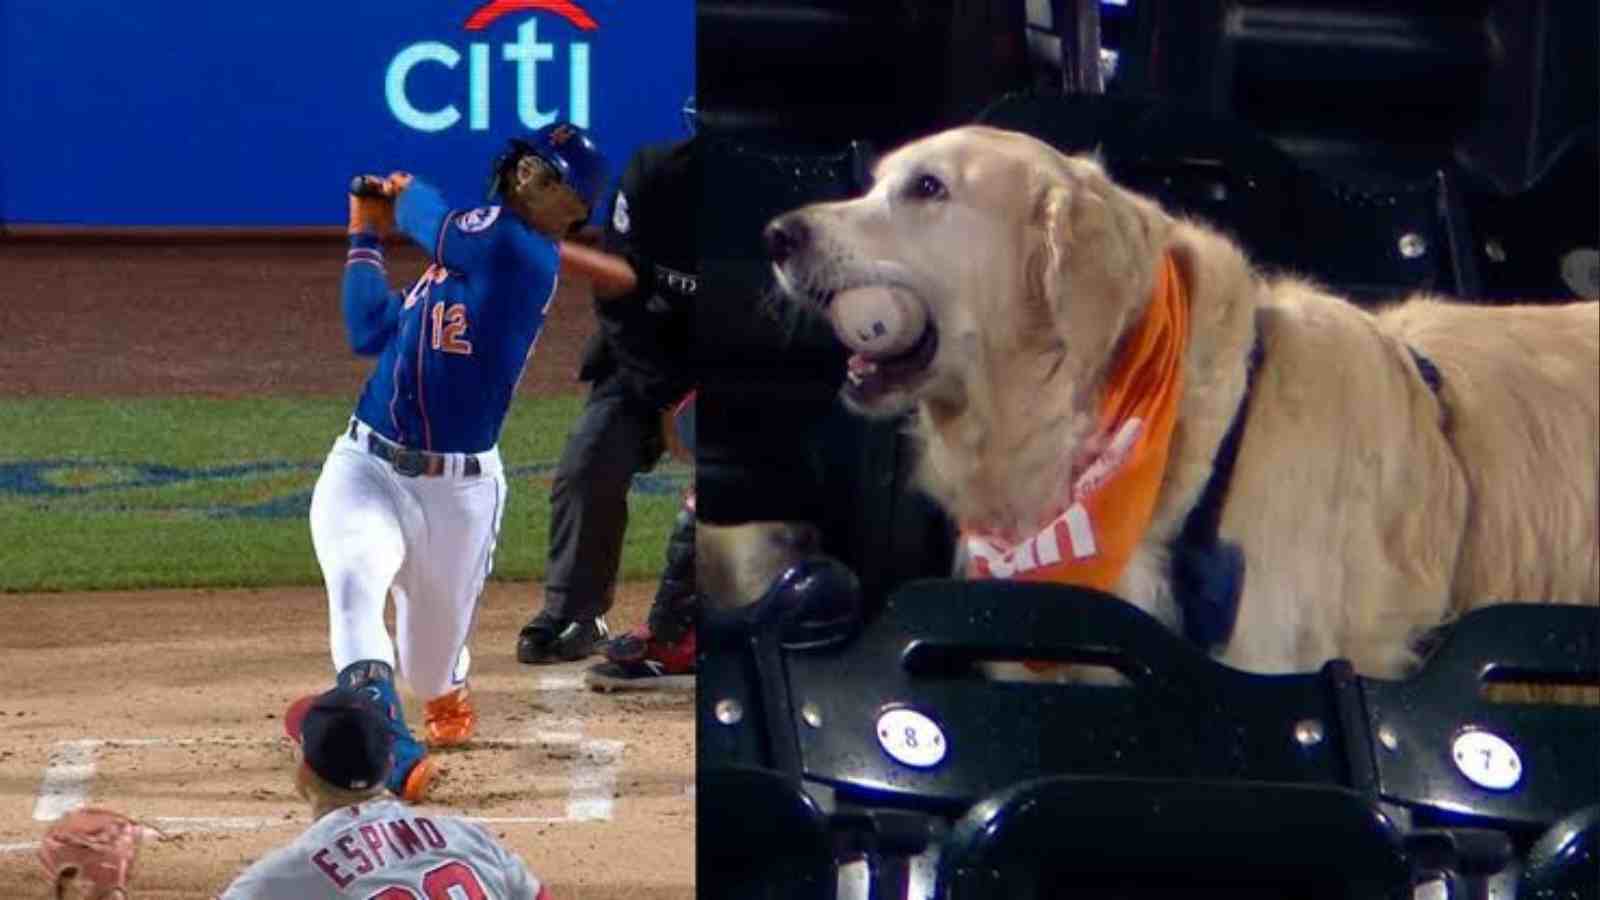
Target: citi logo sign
[(521, 59)]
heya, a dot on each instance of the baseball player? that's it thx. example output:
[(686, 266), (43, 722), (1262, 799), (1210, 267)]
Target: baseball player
[(639, 367), (363, 844), (411, 496)]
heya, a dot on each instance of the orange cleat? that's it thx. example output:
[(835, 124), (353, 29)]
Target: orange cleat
[(450, 720), (419, 780)]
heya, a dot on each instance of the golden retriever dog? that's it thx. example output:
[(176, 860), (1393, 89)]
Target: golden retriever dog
[(1394, 468)]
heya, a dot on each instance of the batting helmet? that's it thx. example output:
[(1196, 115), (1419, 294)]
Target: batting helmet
[(568, 149)]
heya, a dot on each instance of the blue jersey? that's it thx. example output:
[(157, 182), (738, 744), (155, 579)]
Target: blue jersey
[(452, 349)]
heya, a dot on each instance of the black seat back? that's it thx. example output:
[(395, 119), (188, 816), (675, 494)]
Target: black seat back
[(1469, 124)]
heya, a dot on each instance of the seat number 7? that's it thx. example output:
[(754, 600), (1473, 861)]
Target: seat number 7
[(448, 327)]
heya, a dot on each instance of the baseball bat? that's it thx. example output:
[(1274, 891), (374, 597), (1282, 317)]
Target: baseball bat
[(368, 186), (611, 275)]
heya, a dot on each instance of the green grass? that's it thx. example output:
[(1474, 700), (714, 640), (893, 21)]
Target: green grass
[(188, 492)]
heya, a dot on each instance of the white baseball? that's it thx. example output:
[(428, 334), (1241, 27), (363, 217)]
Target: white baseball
[(879, 319)]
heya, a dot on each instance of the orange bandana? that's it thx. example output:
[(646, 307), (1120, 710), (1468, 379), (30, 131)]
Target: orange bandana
[(1111, 495)]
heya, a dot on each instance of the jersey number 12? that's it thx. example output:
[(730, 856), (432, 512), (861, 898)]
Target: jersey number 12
[(448, 326), (451, 881)]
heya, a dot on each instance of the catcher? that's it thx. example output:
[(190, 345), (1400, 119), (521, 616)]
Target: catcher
[(362, 844)]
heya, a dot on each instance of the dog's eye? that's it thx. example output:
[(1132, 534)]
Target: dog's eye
[(926, 187)]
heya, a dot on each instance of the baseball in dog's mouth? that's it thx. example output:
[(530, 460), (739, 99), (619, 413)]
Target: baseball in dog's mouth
[(869, 378), (893, 338)]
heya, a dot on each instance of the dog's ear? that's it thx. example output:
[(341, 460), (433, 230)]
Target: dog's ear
[(1046, 245), (1094, 252)]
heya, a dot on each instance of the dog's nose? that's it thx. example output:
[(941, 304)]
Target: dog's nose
[(786, 236)]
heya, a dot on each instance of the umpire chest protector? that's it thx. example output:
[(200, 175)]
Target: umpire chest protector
[(651, 223)]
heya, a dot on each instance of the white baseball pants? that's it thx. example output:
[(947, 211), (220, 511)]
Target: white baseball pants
[(429, 539)]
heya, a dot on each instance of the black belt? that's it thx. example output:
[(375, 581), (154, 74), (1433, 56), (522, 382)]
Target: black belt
[(411, 463)]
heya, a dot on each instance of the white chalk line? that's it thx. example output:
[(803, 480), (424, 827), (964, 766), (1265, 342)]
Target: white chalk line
[(594, 781), (181, 824), (558, 681), (559, 722), (67, 776), (594, 767), (171, 826)]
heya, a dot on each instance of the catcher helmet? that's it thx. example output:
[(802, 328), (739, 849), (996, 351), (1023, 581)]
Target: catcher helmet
[(567, 149), (343, 736)]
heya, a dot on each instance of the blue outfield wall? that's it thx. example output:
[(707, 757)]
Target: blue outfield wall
[(196, 113)]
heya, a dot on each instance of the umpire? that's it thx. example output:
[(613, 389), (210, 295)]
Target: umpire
[(637, 364)]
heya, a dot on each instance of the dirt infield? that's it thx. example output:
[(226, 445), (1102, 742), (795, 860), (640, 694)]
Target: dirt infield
[(167, 705)]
